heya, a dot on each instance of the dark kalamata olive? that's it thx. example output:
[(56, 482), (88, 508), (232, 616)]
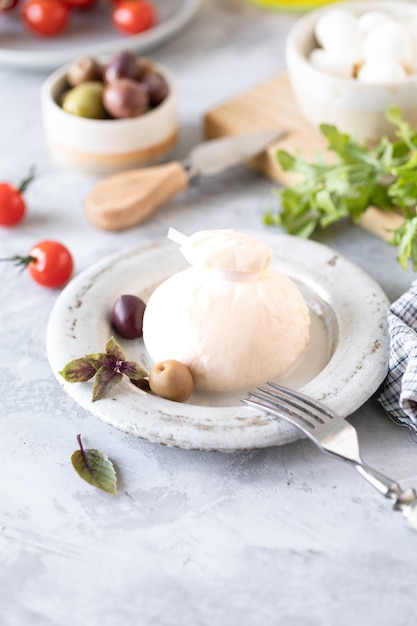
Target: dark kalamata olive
[(125, 98), (156, 86), (127, 316), (144, 66), (84, 69), (122, 65)]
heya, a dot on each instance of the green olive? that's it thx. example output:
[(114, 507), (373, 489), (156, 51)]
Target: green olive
[(171, 380), (86, 100)]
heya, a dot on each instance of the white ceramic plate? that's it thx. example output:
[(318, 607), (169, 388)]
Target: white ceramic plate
[(90, 32), (345, 363)]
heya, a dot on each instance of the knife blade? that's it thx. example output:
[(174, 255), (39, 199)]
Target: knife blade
[(125, 199), (218, 155)]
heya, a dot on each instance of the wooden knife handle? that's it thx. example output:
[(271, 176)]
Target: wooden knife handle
[(125, 199)]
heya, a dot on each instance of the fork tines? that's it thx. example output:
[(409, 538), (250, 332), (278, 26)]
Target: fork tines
[(290, 405)]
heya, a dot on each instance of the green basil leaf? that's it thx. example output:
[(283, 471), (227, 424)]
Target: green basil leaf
[(95, 468)]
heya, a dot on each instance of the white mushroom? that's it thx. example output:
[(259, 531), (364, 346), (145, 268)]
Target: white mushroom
[(326, 62), (337, 32), (381, 71), (375, 46), (369, 19), (390, 40)]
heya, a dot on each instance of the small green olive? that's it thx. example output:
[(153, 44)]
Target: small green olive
[(86, 100), (171, 380)]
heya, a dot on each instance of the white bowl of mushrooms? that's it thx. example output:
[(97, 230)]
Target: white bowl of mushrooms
[(348, 63)]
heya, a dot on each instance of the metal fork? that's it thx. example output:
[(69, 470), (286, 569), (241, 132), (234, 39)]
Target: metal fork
[(333, 434)]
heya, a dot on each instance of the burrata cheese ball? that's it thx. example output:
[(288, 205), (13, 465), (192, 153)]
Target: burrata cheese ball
[(232, 319)]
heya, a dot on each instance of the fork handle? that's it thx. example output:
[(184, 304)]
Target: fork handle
[(410, 513), (388, 487), (405, 500)]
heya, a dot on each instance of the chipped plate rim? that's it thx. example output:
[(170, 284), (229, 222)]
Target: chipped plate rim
[(80, 324)]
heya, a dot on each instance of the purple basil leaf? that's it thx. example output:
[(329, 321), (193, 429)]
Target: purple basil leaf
[(78, 371), (133, 370), (142, 383), (105, 380), (105, 359), (113, 348), (98, 359)]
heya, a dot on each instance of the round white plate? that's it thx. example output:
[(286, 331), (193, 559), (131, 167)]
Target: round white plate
[(344, 364), (89, 33)]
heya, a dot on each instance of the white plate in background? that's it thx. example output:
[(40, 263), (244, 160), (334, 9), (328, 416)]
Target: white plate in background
[(89, 33)]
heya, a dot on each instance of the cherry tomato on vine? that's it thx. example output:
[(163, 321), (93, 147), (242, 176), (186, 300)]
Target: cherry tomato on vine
[(12, 202), (133, 16), (49, 263), (45, 17), (7, 5), (79, 4), (12, 205)]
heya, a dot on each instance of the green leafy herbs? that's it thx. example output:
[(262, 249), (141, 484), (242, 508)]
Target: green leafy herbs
[(95, 468), (106, 369), (361, 176)]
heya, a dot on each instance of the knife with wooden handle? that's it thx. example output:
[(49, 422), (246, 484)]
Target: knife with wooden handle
[(127, 198)]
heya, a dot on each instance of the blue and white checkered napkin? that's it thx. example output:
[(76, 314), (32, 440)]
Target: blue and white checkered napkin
[(399, 392)]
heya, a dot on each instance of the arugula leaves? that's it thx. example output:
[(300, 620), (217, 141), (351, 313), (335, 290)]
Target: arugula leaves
[(384, 176)]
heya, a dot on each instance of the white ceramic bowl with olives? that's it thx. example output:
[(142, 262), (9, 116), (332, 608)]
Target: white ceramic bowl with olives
[(102, 116)]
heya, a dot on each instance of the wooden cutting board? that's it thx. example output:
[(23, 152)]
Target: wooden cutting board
[(271, 104)]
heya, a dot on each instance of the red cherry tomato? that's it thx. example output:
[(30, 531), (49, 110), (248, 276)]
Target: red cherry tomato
[(12, 205), (50, 263), (12, 202), (79, 4), (45, 17), (133, 16), (7, 5)]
